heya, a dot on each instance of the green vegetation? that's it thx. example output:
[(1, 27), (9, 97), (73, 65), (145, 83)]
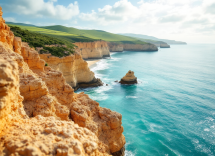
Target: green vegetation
[(56, 34), (40, 40), (77, 35), (95, 34)]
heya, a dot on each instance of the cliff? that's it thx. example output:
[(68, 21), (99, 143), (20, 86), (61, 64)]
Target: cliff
[(115, 47), (41, 115), (139, 47), (93, 50), (164, 45), (74, 69)]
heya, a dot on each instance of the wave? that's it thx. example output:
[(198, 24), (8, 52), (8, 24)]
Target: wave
[(132, 97), (101, 65), (129, 153)]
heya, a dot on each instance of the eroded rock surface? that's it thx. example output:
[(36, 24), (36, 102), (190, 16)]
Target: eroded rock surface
[(41, 115), (74, 69), (129, 78), (48, 136), (93, 50)]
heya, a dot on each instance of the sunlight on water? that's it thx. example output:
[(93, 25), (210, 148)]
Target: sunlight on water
[(171, 110)]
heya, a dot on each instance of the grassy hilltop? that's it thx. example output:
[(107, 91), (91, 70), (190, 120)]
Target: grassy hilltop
[(78, 35)]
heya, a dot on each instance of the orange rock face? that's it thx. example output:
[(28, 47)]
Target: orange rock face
[(75, 70), (41, 115), (91, 50)]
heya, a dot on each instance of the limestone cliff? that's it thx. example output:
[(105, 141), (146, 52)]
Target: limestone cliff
[(93, 50), (41, 115), (139, 47), (115, 47), (74, 69)]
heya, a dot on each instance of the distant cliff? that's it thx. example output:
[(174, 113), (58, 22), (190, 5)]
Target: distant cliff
[(147, 38), (139, 47), (160, 44), (114, 47), (93, 50)]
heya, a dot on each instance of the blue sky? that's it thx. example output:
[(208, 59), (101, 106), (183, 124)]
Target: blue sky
[(192, 21)]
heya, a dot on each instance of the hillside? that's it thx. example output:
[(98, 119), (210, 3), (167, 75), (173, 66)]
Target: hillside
[(151, 39), (96, 34), (57, 34), (78, 35), (39, 40)]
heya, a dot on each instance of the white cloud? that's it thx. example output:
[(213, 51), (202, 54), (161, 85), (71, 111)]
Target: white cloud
[(10, 19), (156, 17), (121, 11), (39, 8), (171, 18)]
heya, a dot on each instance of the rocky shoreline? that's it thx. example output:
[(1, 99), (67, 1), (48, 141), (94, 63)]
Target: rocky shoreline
[(39, 112), (94, 83)]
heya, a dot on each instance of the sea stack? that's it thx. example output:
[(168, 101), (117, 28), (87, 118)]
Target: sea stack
[(129, 78)]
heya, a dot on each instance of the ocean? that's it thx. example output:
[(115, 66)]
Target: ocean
[(171, 111)]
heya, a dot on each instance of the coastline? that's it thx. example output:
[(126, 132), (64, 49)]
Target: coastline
[(91, 62)]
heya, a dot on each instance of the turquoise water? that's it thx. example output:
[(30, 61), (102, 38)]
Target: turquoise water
[(172, 110)]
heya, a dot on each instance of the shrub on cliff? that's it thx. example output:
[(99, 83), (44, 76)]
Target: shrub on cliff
[(40, 40)]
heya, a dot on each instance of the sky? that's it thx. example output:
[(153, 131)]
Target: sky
[(192, 21)]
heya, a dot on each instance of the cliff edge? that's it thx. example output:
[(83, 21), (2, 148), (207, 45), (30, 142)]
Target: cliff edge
[(74, 69), (41, 115), (93, 50), (115, 47)]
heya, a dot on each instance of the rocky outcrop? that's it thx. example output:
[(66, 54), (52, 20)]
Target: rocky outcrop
[(48, 136), (164, 45), (129, 78), (11, 107), (93, 50), (139, 47), (74, 69), (41, 115), (115, 47)]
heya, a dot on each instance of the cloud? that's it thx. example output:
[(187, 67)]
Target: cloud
[(155, 17), (171, 18), (121, 11), (39, 8), (210, 9), (10, 19)]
